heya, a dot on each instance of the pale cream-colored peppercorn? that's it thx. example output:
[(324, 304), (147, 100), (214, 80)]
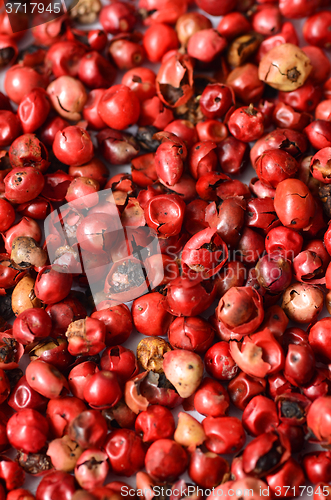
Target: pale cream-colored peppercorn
[(85, 11), (285, 67), (150, 351), (26, 253)]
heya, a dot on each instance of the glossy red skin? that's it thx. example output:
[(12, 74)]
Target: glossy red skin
[(102, 390), (185, 130), (95, 71), (299, 364), (60, 412), (155, 423), (158, 39), (33, 110), (274, 166), (323, 110), (290, 474), (19, 494), (119, 107), (28, 151), (56, 485), (142, 81), (46, 379), (52, 286), (293, 142), (192, 333), (215, 8), (189, 297), (286, 241), (211, 398), (319, 339), (166, 12), (317, 466), (165, 213), (30, 325), (25, 227), (267, 20), (27, 430), (315, 30), (244, 126), (56, 354), (320, 62), (10, 127), (37, 209), (154, 113), (126, 53), (176, 70), (284, 116), (219, 362), (319, 163), (97, 39), (117, 319), (202, 159), (195, 216), (205, 45), (232, 155), (216, 100), (202, 260), (304, 99), (7, 215), (211, 130), (165, 460), (73, 146), (64, 57), (293, 212), (319, 419), (227, 218), (261, 214), (318, 386), (88, 429), (90, 110), (23, 184), (50, 128), (20, 80), (243, 388), (11, 473), (260, 447), (168, 159), (224, 434), (63, 313), (125, 451), (4, 386), (260, 415), (93, 477), (118, 17), (206, 469), (233, 25), (319, 135), (294, 434), (121, 361), (150, 316), (79, 376), (245, 83), (287, 35), (245, 324)]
